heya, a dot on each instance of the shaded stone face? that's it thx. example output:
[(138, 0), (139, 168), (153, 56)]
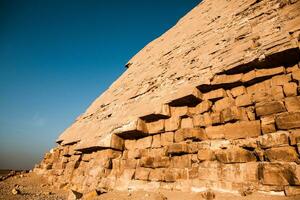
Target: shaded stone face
[(196, 108)]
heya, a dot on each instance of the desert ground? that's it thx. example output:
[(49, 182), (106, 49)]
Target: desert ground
[(29, 186)]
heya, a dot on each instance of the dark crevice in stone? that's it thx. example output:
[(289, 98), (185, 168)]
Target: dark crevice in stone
[(130, 135), (154, 117), (189, 100)]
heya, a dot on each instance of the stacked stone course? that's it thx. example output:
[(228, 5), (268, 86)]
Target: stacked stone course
[(238, 131)]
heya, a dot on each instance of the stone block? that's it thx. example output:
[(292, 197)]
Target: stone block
[(243, 100), (196, 134), (290, 89), (234, 155), (292, 191), (224, 79), (269, 72), (215, 94), (156, 152), (202, 120), (116, 142), (280, 80), (173, 174), (184, 161), (130, 144), (144, 143), (222, 104), (128, 164), (180, 111), (282, 154), (157, 174), (249, 76), (156, 126), (293, 68), (206, 155), (242, 129), (177, 148), (132, 129), (295, 136), (250, 113), (292, 104), (202, 107), (215, 132), (135, 153), (155, 162), (288, 120), (279, 174), (192, 147), (276, 139), (187, 123), (296, 75), (216, 118), (167, 138), (268, 124), (268, 108), (277, 92), (172, 123), (238, 91), (156, 142), (142, 173), (231, 114)]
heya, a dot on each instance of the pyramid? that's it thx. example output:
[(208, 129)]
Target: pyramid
[(212, 103)]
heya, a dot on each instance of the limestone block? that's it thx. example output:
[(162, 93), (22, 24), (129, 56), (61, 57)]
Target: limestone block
[(184, 161), (249, 76), (242, 129), (215, 132), (192, 147), (130, 144), (160, 112), (223, 104), (190, 133), (238, 91), (216, 118), (144, 143), (172, 123), (269, 72), (157, 174), (193, 173), (206, 155), (156, 143), (202, 107), (296, 75), (268, 108), (295, 136), (185, 96), (280, 80), (250, 113), (224, 79), (177, 148), (292, 68), (292, 104), (142, 173), (132, 129), (187, 123), (282, 154), (268, 124), (180, 111), (215, 94), (278, 174), (156, 126), (202, 120), (231, 114), (276, 139), (155, 162), (277, 92), (290, 89), (173, 174), (156, 152), (292, 191), (116, 142), (234, 155), (288, 120), (167, 138)]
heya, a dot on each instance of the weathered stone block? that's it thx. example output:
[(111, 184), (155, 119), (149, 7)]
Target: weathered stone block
[(155, 162), (295, 136), (296, 75), (180, 111), (234, 155), (178, 148), (216, 118), (242, 129), (135, 153), (226, 79), (277, 174), (244, 100), (202, 120), (268, 124), (167, 138), (190, 133), (116, 142), (142, 173), (202, 107), (276, 139), (128, 164), (206, 155), (187, 123), (268, 108), (269, 72), (290, 89), (238, 91), (231, 114), (130, 144), (223, 104), (184, 161), (277, 92), (156, 143), (156, 126), (173, 174), (215, 132), (157, 174), (280, 80), (172, 123), (292, 104), (215, 94), (282, 154), (288, 120), (292, 191), (144, 143)]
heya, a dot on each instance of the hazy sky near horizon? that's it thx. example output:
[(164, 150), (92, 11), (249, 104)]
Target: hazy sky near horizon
[(57, 56)]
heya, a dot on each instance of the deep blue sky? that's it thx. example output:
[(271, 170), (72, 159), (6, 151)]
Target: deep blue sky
[(57, 56)]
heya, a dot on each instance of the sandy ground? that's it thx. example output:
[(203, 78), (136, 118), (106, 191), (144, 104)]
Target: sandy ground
[(33, 187)]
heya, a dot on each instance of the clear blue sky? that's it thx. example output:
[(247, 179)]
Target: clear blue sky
[(57, 56)]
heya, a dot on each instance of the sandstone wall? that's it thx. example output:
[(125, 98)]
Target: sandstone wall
[(236, 129)]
